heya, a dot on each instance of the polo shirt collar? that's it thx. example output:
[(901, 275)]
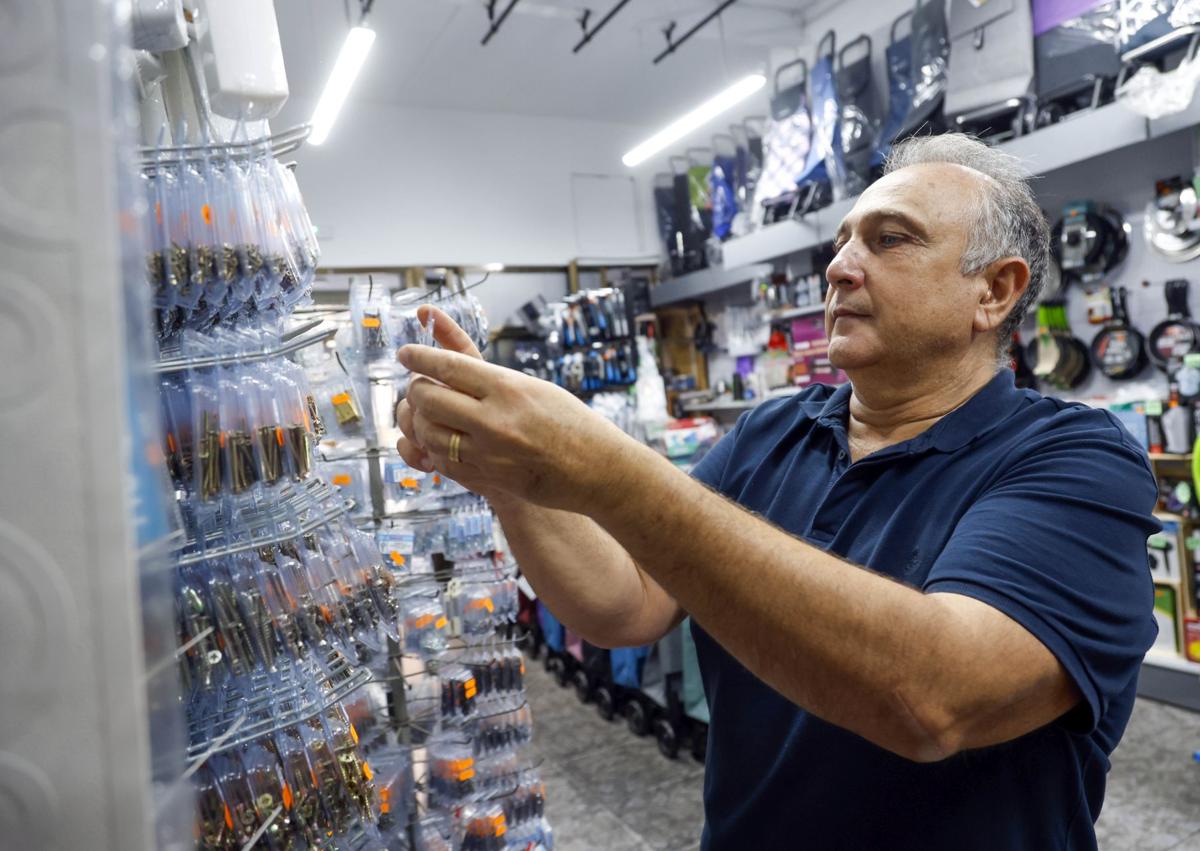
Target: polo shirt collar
[(979, 415)]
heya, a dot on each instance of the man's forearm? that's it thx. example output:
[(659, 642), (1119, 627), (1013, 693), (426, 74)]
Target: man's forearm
[(584, 576), (853, 647)]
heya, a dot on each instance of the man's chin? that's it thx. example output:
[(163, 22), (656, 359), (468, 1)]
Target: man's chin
[(845, 355)]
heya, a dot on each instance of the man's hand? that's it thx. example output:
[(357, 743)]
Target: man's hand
[(520, 436)]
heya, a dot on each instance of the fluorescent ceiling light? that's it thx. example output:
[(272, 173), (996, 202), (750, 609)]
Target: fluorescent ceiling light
[(493, 267), (699, 116), (349, 62)]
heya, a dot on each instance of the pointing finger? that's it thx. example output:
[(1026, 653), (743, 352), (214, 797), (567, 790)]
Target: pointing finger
[(447, 332), (461, 372)]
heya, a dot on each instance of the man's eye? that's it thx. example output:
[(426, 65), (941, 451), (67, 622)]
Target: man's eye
[(889, 240)]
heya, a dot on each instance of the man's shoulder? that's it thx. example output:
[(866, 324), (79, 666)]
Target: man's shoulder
[(1050, 420)]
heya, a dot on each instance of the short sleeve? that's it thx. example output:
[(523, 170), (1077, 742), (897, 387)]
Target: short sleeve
[(1059, 545), (711, 468)]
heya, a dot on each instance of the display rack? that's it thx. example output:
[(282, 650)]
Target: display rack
[(437, 541)]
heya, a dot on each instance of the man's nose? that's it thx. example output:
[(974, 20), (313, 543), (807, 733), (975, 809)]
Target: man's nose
[(845, 270)]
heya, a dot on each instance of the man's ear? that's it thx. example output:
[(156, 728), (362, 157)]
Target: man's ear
[(1005, 282)]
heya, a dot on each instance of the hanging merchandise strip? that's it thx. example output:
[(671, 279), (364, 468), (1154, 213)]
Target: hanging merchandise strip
[(455, 676), (229, 238), (284, 610), (261, 706), (310, 507)]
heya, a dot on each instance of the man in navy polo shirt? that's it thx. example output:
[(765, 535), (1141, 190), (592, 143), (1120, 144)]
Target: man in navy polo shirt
[(920, 600)]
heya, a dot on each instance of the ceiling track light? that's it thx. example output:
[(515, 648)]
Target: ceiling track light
[(494, 21), (672, 46), (698, 117), (583, 23)]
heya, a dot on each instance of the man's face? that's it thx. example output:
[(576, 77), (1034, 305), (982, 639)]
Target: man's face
[(896, 294)]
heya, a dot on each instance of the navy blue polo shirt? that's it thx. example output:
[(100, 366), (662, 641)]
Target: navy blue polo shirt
[(1037, 507)]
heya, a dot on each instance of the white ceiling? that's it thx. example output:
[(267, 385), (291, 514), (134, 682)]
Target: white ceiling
[(428, 54)]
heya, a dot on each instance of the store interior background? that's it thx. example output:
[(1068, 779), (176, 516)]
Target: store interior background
[(454, 155), (450, 153)]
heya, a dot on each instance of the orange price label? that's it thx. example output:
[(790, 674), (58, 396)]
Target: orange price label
[(370, 321), (206, 213), (397, 558), (340, 399), (441, 623), (425, 620), (341, 479)]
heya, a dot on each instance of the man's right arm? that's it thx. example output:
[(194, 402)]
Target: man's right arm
[(585, 577)]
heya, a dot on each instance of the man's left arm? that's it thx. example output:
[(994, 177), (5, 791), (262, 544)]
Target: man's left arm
[(921, 675)]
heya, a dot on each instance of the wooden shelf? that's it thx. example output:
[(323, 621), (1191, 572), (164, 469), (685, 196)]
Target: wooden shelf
[(1169, 456)]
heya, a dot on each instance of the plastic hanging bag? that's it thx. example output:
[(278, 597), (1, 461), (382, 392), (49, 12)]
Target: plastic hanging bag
[(722, 189), (930, 58), (1157, 89), (664, 211), (690, 228), (1154, 94), (1075, 47), (898, 57), (824, 178), (1143, 21), (787, 143), (991, 56), (859, 121)]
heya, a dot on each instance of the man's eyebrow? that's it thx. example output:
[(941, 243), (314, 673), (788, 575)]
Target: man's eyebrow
[(886, 214)]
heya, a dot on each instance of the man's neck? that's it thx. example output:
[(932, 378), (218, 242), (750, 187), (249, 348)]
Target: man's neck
[(885, 413)]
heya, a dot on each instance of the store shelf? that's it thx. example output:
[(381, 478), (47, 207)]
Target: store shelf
[(705, 282), (739, 404), (722, 405), (1170, 456), (772, 241), (1166, 125), (1171, 679), (1080, 137), (1167, 515), (794, 313)]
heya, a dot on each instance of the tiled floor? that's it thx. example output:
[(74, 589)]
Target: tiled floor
[(607, 789)]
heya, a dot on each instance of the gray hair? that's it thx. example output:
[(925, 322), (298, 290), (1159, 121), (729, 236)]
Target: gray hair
[(1008, 221)]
